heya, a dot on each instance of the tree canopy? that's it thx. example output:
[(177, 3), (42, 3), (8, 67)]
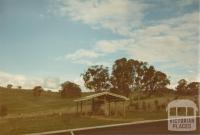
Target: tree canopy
[(132, 74), (97, 78), (186, 88), (121, 77)]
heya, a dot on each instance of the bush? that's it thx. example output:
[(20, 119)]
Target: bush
[(37, 90), (70, 90), (9, 86), (3, 110)]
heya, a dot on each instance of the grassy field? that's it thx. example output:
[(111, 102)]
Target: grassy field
[(28, 114), (23, 101)]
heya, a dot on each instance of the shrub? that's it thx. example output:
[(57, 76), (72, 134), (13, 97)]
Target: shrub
[(70, 90), (37, 90), (3, 110), (9, 86)]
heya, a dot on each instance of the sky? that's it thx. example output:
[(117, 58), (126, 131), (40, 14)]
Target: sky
[(47, 42)]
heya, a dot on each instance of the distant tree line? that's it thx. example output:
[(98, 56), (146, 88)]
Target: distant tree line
[(187, 88)]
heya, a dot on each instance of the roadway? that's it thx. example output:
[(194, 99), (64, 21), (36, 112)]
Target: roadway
[(159, 127)]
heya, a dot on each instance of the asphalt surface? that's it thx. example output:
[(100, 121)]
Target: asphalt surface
[(153, 128)]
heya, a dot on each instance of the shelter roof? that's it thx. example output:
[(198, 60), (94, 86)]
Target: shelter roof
[(107, 94)]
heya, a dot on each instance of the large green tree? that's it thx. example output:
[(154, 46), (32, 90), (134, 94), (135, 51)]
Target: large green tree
[(121, 77), (154, 80), (137, 71), (97, 78), (131, 74), (70, 90)]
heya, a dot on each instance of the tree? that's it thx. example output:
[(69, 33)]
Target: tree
[(182, 87), (19, 87), (155, 80), (70, 90), (193, 88), (187, 88), (137, 71), (131, 74), (97, 78), (37, 90), (9, 86), (121, 77), (3, 110)]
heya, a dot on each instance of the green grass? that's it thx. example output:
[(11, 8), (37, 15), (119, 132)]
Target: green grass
[(23, 101), (47, 117)]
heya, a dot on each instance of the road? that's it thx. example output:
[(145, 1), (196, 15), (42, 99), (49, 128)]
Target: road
[(147, 128), (135, 129)]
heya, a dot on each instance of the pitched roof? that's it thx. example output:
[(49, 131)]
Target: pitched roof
[(101, 94)]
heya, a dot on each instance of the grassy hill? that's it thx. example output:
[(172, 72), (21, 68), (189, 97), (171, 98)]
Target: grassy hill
[(23, 101), (28, 114)]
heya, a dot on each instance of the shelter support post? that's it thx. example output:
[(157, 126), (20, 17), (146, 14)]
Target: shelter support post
[(77, 107), (186, 111), (81, 106), (92, 105), (124, 109), (109, 113), (115, 108)]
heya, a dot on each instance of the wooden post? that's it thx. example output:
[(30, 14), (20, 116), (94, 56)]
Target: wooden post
[(106, 109), (124, 111), (115, 108), (81, 106), (84, 107), (77, 107), (109, 113), (186, 111), (93, 106)]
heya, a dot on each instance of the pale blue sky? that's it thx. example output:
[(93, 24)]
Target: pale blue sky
[(45, 42)]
